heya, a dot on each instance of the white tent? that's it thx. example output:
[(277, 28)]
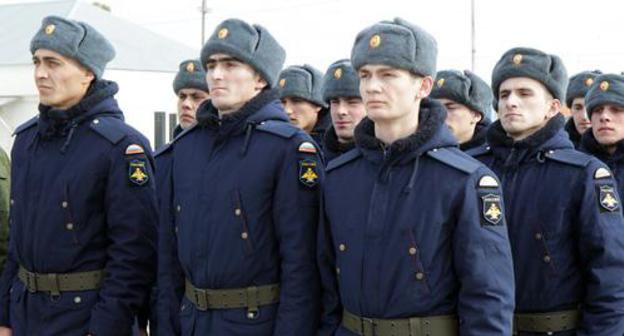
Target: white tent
[(144, 67)]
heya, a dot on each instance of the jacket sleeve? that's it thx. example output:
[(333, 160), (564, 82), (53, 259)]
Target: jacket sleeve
[(130, 207), (331, 308), (295, 215), (601, 249), (483, 260), (6, 282), (170, 285)]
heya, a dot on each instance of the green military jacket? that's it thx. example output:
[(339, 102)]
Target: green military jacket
[(5, 168)]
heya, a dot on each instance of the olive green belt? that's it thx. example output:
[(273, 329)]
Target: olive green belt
[(250, 297), (547, 322), (55, 283), (443, 325)]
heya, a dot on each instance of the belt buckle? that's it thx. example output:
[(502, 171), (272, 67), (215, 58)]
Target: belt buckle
[(31, 282), (201, 298), (364, 321)]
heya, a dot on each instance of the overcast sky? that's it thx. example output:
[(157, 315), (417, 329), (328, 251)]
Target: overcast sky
[(587, 35)]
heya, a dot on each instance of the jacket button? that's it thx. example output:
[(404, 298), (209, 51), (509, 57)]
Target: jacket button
[(178, 208), (342, 247), (244, 235), (95, 121), (69, 226), (337, 270), (77, 299), (12, 201), (420, 276), (64, 204), (237, 212), (538, 236), (547, 259), (176, 229), (412, 250)]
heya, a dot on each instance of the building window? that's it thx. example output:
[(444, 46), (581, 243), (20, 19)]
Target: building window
[(160, 128)]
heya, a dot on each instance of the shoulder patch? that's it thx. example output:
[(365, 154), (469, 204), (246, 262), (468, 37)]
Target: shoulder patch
[(601, 173), (307, 147), (28, 124), (279, 128), (455, 159), (478, 151), (106, 127), (343, 159), (134, 149), (570, 157), (488, 181)]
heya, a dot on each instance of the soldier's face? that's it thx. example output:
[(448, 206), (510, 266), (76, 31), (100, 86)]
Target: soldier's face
[(232, 83), (390, 94), (346, 113), (579, 115), (460, 119), (608, 124), (61, 81), (188, 101), (301, 112), (525, 106)]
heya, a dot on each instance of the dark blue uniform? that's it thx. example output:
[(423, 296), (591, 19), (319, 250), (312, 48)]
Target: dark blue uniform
[(332, 148), (239, 208), (565, 226), (409, 232), (478, 138), (615, 161), (82, 199)]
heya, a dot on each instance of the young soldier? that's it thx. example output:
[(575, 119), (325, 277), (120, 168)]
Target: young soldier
[(467, 99), (83, 206), (341, 91), (605, 104), (575, 100), (414, 255), (301, 92), (191, 88), (565, 223), (239, 207)]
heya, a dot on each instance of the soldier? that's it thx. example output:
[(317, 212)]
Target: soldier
[(605, 104), (413, 255), (191, 88), (467, 99), (341, 91), (301, 92), (579, 122), (83, 207), (237, 243), (565, 222), (5, 170)]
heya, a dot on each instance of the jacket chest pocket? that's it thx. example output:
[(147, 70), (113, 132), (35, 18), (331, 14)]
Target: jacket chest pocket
[(69, 224), (418, 276), (241, 221)]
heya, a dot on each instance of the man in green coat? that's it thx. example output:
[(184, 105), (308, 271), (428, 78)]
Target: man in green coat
[(4, 206)]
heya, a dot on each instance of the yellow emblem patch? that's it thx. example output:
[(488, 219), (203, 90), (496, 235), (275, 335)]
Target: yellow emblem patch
[(49, 29), (190, 67), (223, 33), (307, 147), (338, 73), (375, 41), (604, 86), (517, 59), (308, 174), (282, 82), (608, 198), (440, 82), (137, 172), (601, 173), (488, 181), (134, 149), (589, 81), (492, 209)]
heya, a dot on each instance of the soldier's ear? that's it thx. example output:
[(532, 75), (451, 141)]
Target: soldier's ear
[(426, 85), (554, 108)]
